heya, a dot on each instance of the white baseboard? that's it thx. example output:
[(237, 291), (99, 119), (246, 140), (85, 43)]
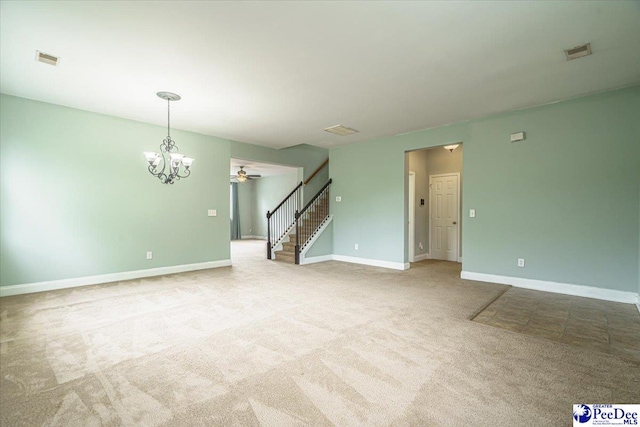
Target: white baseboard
[(372, 262), (316, 259), (638, 304), (428, 256), (249, 236), (51, 285), (356, 260), (559, 288)]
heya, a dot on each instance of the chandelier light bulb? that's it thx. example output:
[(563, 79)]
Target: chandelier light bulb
[(187, 161)]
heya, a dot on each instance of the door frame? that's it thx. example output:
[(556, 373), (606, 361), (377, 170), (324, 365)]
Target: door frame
[(412, 216), (439, 175)]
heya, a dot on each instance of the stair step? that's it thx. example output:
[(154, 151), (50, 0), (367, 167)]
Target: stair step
[(285, 256), (289, 246)]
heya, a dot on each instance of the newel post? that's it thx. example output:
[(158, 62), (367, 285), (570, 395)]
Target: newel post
[(268, 235), (297, 238)]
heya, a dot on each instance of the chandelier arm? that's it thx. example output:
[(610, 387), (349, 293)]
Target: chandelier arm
[(187, 172), (164, 161)]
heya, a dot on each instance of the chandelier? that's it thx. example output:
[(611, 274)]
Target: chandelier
[(177, 164)]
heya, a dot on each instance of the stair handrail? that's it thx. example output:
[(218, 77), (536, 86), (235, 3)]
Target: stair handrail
[(285, 220), (311, 232), (316, 196), (270, 213), (313, 175)]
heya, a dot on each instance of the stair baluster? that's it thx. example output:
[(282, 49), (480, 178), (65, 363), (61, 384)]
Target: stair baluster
[(310, 219), (282, 218)]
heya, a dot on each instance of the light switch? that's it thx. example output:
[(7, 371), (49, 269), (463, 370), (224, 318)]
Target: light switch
[(338, 198), (212, 212), (472, 213)]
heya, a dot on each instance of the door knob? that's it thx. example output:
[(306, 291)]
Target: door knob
[(454, 222)]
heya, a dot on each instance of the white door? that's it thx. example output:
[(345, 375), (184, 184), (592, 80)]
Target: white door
[(444, 216), (412, 216)]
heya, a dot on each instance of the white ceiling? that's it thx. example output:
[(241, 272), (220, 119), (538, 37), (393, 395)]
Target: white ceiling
[(256, 168), (278, 73)]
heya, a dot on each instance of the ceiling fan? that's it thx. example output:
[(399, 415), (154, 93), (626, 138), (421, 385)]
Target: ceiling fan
[(242, 175)]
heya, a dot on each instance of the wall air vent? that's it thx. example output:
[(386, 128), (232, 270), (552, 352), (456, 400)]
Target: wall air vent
[(46, 58), (341, 130), (578, 52)]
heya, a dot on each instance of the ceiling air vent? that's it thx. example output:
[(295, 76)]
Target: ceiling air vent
[(341, 130), (578, 52), (46, 58)]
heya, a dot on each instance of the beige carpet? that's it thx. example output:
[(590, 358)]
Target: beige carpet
[(274, 344)]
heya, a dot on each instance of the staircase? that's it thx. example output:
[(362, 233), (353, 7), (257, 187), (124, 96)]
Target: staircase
[(288, 252), (300, 232), (315, 215)]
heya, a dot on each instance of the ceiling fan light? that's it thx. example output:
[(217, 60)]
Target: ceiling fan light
[(451, 147), (241, 178)]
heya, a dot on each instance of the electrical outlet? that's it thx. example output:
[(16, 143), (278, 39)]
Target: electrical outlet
[(356, 246), (472, 213), (520, 262), (420, 246), (212, 212), (149, 255), (519, 136)]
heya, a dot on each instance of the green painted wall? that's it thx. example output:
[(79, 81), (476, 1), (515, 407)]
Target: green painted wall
[(566, 199), (76, 198), (323, 245), (269, 192)]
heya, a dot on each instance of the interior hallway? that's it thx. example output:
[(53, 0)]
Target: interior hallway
[(267, 343)]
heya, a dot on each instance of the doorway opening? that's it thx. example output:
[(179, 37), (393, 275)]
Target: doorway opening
[(434, 204), (260, 188)]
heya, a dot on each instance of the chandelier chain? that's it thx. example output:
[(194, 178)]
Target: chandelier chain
[(169, 118)]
